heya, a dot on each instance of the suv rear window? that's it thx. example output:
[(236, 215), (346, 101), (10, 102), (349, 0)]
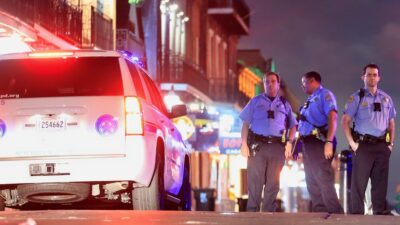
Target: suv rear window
[(83, 76)]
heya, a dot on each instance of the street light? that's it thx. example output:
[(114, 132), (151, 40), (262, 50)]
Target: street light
[(173, 7), (13, 44), (172, 99)]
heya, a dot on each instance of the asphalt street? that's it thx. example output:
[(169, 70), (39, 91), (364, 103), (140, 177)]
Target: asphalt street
[(122, 217)]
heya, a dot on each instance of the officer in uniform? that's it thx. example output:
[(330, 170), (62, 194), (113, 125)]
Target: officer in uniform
[(267, 136), (317, 127), (371, 140)]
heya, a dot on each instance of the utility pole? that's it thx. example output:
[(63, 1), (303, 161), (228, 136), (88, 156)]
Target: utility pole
[(152, 36)]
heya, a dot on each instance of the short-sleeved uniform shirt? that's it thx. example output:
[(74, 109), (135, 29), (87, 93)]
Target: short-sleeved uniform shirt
[(366, 119), (316, 110), (256, 114)]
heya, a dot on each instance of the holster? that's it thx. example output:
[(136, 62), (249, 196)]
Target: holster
[(320, 134), (253, 144), (355, 135)]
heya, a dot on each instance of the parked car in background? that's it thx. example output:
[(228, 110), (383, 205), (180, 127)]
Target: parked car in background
[(81, 126)]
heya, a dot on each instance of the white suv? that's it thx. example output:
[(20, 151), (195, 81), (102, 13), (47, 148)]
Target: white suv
[(81, 126)]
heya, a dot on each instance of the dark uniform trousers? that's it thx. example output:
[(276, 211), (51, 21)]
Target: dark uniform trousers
[(320, 178), (370, 160), (264, 168)]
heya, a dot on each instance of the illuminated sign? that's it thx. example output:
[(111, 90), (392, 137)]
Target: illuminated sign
[(185, 126), (230, 145)]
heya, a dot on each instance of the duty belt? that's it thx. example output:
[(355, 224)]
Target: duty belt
[(267, 139), (370, 139), (311, 137), (316, 134)]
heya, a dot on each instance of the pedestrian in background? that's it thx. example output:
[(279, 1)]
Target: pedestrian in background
[(396, 210), (371, 139), (317, 127), (267, 136)]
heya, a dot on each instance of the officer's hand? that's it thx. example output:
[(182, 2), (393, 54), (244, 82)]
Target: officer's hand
[(328, 150), (244, 150), (300, 157), (390, 147), (288, 150), (354, 146)]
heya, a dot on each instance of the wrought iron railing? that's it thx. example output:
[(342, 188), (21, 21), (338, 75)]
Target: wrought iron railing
[(64, 21), (181, 70), (57, 16), (102, 33), (239, 6)]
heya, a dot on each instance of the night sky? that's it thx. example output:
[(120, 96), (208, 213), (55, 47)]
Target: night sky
[(336, 38)]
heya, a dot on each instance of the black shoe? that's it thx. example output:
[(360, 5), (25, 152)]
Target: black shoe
[(385, 213)]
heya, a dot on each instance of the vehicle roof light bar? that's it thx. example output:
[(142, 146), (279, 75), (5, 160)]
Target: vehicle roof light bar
[(49, 54)]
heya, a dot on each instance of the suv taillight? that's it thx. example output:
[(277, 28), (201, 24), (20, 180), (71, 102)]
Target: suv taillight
[(133, 116)]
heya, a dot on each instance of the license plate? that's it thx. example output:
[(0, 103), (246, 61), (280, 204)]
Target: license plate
[(52, 124), (48, 169)]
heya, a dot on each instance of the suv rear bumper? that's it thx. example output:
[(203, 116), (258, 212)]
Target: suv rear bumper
[(136, 165)]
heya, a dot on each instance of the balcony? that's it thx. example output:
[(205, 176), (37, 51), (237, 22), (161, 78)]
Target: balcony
[(233, 14), (180, 70), (101, 31), (63, 20), (58, 17)]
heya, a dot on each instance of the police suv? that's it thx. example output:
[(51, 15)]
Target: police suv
[(82, 126)]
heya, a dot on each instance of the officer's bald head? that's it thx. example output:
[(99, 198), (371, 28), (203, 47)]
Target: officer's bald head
[(314, 75)]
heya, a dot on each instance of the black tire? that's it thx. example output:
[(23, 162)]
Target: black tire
[(54, 192), (153, 196), (2, 204), (185, 194)]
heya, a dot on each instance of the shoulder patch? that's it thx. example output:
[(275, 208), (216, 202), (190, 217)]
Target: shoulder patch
[(328, 97), (351, 99)]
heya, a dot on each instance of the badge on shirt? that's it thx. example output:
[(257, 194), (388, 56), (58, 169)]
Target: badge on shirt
[(328, 97), (364, 104), (351, 99), (385, 100)]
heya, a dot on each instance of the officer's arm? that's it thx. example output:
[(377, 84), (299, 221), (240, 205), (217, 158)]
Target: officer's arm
[(391, 130), (245, 132), (346, 121), (292, 123), (292, 133), (332, 124)]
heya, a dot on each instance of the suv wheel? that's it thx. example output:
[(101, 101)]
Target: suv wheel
[(153, 196), (185, 194), (2, 203)]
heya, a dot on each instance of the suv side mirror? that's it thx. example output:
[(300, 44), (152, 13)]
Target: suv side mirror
[(178, 110)]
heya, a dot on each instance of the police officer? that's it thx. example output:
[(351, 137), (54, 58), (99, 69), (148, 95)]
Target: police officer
[(371, 139), (266, 121), (317, 127)]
